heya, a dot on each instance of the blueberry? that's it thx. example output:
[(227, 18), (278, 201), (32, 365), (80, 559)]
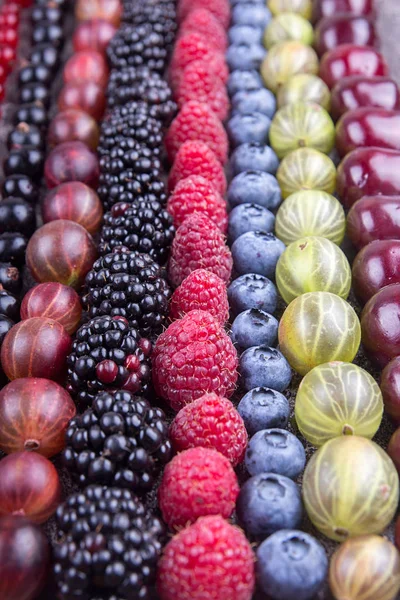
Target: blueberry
[(268, 503), (275, 451), (241, 34), (252, 127), (245, 56), (255, 187), (262, 366), (248, 101), (252, 291), (234, 2), (263, 408), (248, 13), (243, 80), (257, 252), (254, 327), (258, 157), (249, 217), (291, 564)]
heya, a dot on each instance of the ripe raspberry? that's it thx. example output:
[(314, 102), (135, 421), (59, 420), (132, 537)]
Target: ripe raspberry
[(210, 560), (198, 83), (196, 121), (196, 483), (219, 8), (197, 195), (201, 290), (202, 21), (210, 422), (193, 47), (196, 158), (192, 357), (199, 244)]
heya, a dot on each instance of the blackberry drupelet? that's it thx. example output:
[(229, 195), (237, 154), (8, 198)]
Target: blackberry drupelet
[(137, 45), (161, 16), (108, 354), (108, 546), (143, 86), (128, 172), (120, 441), (144, 226), (130, 285)]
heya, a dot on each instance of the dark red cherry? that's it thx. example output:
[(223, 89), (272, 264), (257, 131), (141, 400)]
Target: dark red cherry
[(328, 8), (374, 218), (366, 172), (89, 97), (368, 126), (380, 325), (71, 161), (343, 29), (357, 91), (86, 65), (390, 388), (350, 59), (376, 266), (93, 35)]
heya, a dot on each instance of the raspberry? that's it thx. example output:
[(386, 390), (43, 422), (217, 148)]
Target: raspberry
[(196, 158), (201, 290), (192, 357), (219, 8), (196, 121), (197, 195), (202, 21), (199, 244), (198, 83), (210, 422), (196, 483), (210, 560)]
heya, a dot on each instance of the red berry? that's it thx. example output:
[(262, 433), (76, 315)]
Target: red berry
[(210, 560), (196, 483), (7, 56), (210, 422), (199, 244), (201, 290), (202, 21), (219, 8), (196, 158), (196, 121), (9, 37), (3, 74), (192, 357), (197, 195), (199, 83)]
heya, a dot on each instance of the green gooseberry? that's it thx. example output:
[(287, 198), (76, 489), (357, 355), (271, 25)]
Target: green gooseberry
[(301, 7), (310, 212), (338, 398), (316, 328), (304, 87), (312, 264), (350, 488), (306, 169), (285, 60), (288, 26)]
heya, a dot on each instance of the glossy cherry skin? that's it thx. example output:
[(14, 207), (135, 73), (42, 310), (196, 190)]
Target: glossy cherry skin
[(357, 91), (368, 126), (109, 10), (73, 125), (29, 486), (328, 8), (71, 161), (24, 558), (61, 251), (393, 450), (366, 172), (374, 218), (76, 202), (93, 35), (350, 59), (86, 65), (35, 414), (53, 301), (36, 347), (390, 388), (334, 31), (375, 266), (380, 325), (89, 97)]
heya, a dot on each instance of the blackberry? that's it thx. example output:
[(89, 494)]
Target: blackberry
[(129, 171), (108, 354), (161, 16), (121, 440), (130, 285), (143, 86), (137, 45), (136, 125), (144, 226), (108, 546)]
